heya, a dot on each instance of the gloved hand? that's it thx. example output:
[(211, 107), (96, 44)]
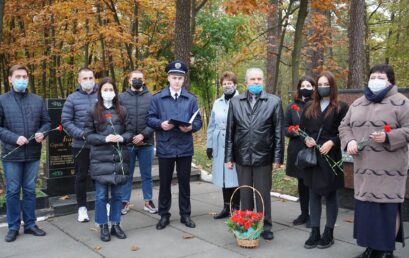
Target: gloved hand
[(209, 152)]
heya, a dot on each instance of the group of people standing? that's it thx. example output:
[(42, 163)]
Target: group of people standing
[(247, 128), (245, 140)]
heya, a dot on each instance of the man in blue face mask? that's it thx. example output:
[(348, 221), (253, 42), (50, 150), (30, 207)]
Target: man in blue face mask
[(22, 114), (255, 142)]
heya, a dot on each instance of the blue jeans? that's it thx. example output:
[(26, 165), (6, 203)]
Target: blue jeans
[(101, 199), (21, 175), (145, 158)]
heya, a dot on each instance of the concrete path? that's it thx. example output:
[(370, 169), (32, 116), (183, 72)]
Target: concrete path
[(68, 238)]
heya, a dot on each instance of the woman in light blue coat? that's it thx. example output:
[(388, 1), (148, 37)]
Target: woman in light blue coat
[(216, 132)]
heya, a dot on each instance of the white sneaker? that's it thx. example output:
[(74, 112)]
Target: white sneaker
[(150, 207), (83, 214), (108, 209), (125, 208)]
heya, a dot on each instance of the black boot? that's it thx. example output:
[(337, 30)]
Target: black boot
[(117, 231), (224, 213), (387, 254), (105, 236), (314, 238), (327, 238), (302, 219), (367, 254)]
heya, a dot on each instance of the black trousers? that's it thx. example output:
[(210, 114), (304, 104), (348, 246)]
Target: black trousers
[(331, 203), (183, 169), (304, 194), (81, 163), (261, 179)]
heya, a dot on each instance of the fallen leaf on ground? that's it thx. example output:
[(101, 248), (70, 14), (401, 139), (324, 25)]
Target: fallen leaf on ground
[(349, 220), (65, 197), (135, 248), (93, 229), (188, 236), (98, 248)]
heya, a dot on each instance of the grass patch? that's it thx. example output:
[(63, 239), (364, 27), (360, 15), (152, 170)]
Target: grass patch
[(284, 184)]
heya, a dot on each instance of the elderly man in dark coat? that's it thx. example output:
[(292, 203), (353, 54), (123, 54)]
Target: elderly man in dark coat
[(255, 142)]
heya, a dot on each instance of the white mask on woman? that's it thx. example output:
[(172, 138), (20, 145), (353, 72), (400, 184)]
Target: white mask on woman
[(108, 96), (377, 85)]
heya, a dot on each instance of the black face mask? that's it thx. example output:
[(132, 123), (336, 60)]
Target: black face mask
[(137, 84), (324, 91), (306, 93)]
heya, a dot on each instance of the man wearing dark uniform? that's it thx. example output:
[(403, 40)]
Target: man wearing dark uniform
[(169, 115)]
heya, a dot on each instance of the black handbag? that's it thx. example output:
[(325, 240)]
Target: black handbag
[(307, 158)]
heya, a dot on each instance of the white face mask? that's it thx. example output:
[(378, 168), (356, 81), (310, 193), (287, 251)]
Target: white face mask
[(87, 85), (377, 85), (108, 95)]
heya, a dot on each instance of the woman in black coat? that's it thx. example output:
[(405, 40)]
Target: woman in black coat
[(108, 131), (320, 120), (305, 88)]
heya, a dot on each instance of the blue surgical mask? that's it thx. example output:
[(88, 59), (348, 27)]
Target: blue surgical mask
[(20, 85), (255, 88)]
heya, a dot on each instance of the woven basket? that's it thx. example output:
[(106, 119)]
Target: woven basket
[(247, 242)]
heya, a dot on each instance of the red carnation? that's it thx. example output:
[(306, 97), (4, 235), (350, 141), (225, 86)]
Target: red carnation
[(108, 116), (295, 107), (242, 221), (387, 128), (247, 225), (59, 128), (290, 128), (296, 128)]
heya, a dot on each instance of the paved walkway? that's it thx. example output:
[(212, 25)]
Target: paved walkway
[(68, 238)]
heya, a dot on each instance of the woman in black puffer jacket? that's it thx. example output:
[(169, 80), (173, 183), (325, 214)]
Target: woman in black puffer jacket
[(108, 131)]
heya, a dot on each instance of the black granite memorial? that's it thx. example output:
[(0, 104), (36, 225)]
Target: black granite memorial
[(59, 171)]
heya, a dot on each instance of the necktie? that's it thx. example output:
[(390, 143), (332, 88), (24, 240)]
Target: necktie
[(176, 96)]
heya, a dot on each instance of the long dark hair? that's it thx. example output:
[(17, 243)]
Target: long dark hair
[(297, 94), (99, 106), (312, 111)]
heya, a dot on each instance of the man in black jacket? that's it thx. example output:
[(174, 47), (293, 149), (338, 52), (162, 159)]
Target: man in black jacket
[(255, 142), (136, 100), (24, 121)]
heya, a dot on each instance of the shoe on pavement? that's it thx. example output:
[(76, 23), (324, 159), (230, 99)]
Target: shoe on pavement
[(163, 222), (150, 207), (36, 231), (125, 208), (11, 235), (187, 221), (83, 214)]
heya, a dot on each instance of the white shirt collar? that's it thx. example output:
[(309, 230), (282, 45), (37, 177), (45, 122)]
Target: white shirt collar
[(172, 92)]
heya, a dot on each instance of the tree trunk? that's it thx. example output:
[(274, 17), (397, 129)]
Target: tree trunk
[(273, 38), (316, 48), (296, 53), (183, 37), (104, 71), (127, 46), (357, 55), (135, 31)]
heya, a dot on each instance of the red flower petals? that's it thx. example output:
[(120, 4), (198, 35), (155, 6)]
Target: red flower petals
[(387, 128), (295, 107)]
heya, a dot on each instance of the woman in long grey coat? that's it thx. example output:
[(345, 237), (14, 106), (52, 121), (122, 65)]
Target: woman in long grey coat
[(375, 131), (216, 133)]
